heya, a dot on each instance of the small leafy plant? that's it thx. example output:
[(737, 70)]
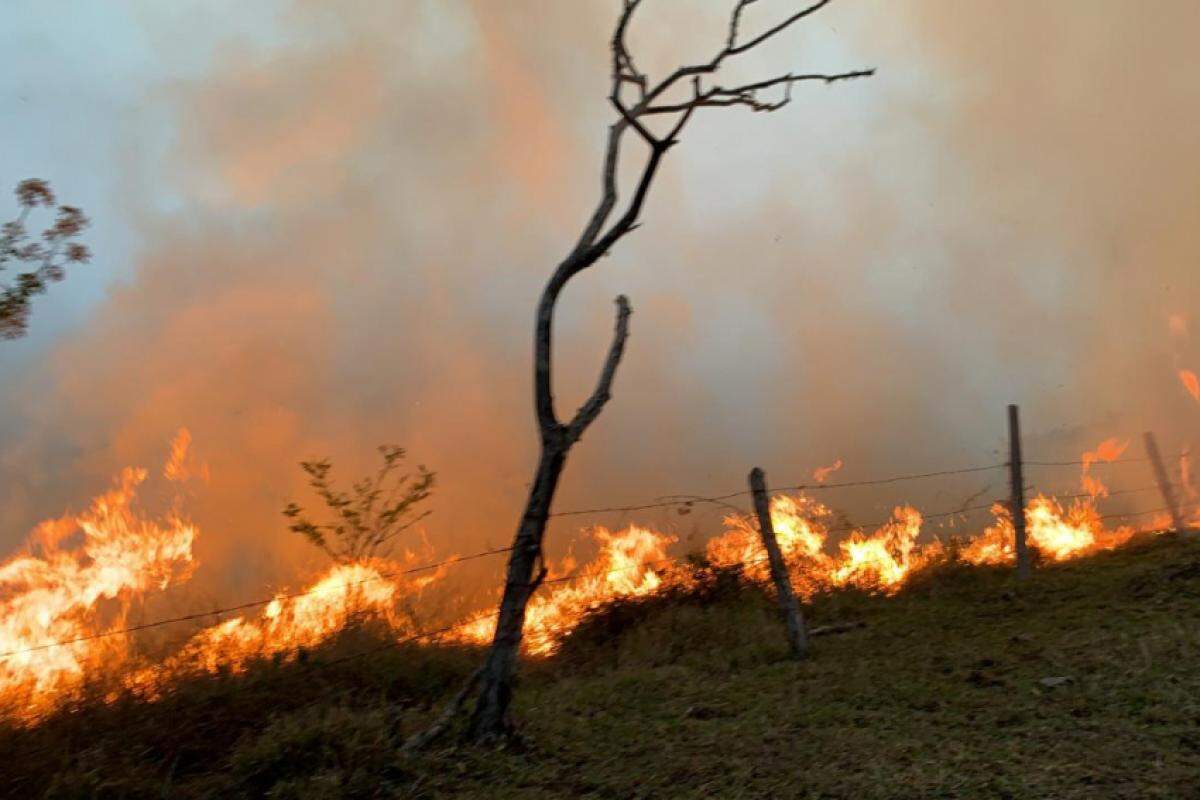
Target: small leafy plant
[(366, 520)]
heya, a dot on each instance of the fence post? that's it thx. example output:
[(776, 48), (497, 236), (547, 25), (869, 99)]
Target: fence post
[(1160, 475), (1017, 506), (792, 615)]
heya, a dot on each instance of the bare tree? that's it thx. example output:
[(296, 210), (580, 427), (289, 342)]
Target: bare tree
[(45, 258), (657, 113)]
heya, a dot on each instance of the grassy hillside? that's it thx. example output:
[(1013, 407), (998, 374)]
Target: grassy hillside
[(941, 692)]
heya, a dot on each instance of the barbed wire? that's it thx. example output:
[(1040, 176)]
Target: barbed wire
[(1163, 509), (668, 502), (647, 564), (677, 500), (1081, 462), (1106, 494), (247, 605), (839, 529), (893, 479), (583, 573), (131, 629)]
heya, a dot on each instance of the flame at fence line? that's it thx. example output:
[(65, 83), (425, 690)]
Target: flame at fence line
[(1107, 451), (80, 576), (288, 624), (821, 474), (76, 581), (630, 564)]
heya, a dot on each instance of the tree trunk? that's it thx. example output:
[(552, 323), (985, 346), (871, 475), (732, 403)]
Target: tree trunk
[(490, 717)]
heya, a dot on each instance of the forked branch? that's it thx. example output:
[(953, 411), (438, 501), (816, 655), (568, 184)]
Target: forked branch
[(602, 231), (658, 117), (650, 102), (603, 393)]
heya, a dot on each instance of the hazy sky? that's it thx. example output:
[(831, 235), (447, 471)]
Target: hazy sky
[(322, 226)]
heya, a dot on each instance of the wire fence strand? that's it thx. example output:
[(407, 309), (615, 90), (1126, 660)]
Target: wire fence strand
[(1108, 494), (247, 605), (641, 565), (673, 501), (131, 629), (1081, 462)]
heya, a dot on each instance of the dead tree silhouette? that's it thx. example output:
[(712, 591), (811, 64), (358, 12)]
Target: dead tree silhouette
[(669, 105)]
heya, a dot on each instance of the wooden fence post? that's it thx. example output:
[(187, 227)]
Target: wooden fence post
[(1017, 505), (792, 615), (1164, 485)]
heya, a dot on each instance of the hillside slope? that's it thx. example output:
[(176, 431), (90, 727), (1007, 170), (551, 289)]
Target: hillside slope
[(1084, 684)]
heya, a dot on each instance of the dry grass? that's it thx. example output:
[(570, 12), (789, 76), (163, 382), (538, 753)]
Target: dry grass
[(690, 695)]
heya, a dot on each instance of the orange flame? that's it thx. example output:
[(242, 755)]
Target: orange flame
[(1107, 451), (179, 467), (64, 602), (821, 474), (1191, 383), (881, 561), (1057, 533), (80, 576), (884, 560), (287, 625), (75, 583), (630, 564), (799, 523)]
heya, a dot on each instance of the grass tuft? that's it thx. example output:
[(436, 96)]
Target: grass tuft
[(1082, 684)]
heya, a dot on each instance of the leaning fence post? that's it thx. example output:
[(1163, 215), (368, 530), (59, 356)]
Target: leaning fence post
[(1017, 506), (792, 615), (1164, 485)]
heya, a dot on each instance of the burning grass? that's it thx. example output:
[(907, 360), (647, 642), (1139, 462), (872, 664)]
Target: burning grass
[(64, 603), (310, 693), (688, 692)]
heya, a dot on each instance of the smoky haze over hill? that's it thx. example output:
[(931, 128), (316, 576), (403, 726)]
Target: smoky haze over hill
[(365, 210)]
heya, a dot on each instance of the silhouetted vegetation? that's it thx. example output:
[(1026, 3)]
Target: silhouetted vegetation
[(43, 259), (654, 109), (366, 520)]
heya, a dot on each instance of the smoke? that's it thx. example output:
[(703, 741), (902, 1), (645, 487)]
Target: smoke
[(1073, 128), (1006, 213)]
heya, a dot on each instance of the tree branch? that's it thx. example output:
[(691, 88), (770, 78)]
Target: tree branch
[(630, 119), (731, 48), (594, 241), (623, 71), (591, 409), (735, 19), (628, 220), (608, 198), (734, 49), (746, 94)]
